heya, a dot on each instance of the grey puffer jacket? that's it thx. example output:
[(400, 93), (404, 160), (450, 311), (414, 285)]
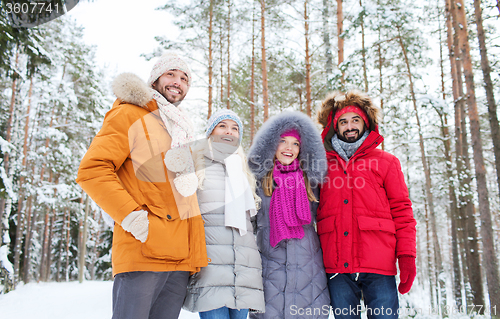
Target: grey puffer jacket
[(295, 283), (233, 277)]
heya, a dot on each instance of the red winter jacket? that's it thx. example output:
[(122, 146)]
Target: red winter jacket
[(365, 218)]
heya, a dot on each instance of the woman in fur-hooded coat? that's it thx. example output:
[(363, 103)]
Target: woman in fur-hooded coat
[(295, 283)]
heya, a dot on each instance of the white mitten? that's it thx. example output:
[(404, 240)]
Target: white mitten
[(137, 223)]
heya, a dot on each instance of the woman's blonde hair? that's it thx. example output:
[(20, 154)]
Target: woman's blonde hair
[(268, 184)]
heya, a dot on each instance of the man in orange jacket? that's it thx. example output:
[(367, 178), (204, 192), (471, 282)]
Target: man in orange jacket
[(139, 170)]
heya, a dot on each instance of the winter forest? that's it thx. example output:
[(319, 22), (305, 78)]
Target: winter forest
[(433, 66)]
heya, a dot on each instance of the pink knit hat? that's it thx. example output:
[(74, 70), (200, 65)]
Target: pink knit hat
[(293, 133)]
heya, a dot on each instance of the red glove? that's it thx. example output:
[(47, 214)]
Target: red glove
[(407, 273)]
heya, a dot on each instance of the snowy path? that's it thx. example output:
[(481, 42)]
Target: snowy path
[(91, 299)]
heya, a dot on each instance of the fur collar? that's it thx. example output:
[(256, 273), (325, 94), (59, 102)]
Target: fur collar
[(312, 153), (129, 88)]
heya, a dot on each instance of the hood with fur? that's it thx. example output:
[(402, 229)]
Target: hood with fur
[(129, 88), (312, 153), (338, 100)]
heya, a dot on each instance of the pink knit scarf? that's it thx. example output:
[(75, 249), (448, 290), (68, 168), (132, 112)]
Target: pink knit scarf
[(289, 207)]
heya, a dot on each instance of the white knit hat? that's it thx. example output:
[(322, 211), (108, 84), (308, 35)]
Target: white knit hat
[(168, 61)]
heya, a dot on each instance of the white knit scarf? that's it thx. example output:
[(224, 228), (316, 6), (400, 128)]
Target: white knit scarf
[(178, 159), (238, 197)]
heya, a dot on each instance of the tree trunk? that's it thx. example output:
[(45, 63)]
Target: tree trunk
[(453, 213), (428, 181), (83, 247), (221, 67), (467, 222), (48, 260), (11, 111), (98, 242), (59, 269), (228, 54), (30, 224), (68, 241), (43, 263), (308, 62), (430, 264), (488, 86), (20, 212), (363, 49), (210, 60), (326, 43), (252, 83), (490, 261), (381, 80), (46, 240), (265, 97), (340, 30), (8, 136)]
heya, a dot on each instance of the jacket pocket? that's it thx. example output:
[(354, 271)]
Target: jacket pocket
[(327, 232), (377, 243), (167, 239)]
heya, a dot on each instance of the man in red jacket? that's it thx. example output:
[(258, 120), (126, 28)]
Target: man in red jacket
[(365, 218)]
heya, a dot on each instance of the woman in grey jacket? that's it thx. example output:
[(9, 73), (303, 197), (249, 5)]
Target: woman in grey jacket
[(231, 284), (289, 162)]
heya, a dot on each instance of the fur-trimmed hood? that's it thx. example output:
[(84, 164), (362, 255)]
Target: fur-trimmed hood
[(338, 100), (312, 153), (130, 88)]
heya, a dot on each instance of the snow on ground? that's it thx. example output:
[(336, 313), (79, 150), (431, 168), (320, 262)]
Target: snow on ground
[(92, 300), (88, 300)]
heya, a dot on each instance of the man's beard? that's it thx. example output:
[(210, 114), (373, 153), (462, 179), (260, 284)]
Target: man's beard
[(172, 99), (350, 139)]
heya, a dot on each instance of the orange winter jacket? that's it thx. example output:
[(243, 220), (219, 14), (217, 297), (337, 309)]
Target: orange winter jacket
[(123, 170)]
